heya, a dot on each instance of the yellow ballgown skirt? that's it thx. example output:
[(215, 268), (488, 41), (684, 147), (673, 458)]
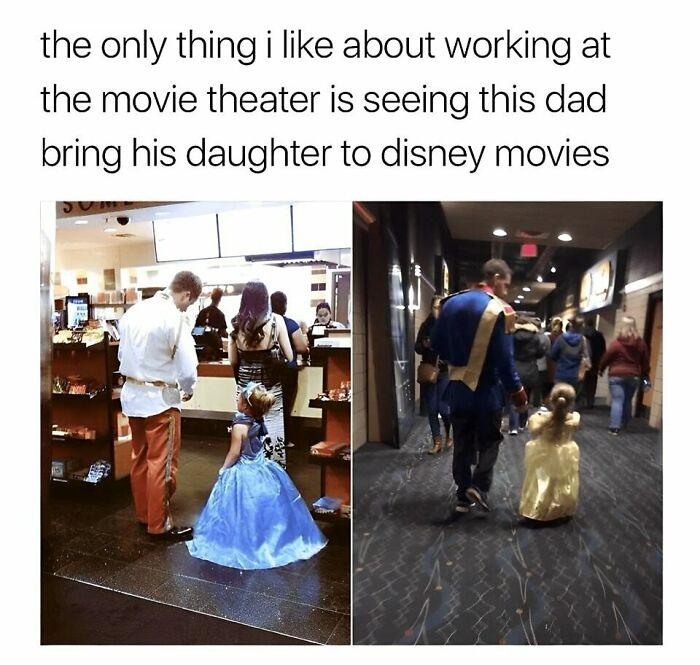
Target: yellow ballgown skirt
[(550, 485)]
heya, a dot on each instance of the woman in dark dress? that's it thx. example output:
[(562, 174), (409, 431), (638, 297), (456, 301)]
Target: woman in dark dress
[(257, 333)]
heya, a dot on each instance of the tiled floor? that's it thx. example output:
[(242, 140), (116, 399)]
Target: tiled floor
[(94, 538)]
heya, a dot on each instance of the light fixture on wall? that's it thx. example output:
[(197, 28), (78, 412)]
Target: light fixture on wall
[(414, 288), (539, 278)]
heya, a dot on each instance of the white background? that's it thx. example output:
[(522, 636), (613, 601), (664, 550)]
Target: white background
[(650, 128)]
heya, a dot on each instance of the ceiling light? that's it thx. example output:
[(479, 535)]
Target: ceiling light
[(565, 237), (110, 230), (160, 214), (500, 232), (81, 221), (527, 289), (553, 269), (539, 278)]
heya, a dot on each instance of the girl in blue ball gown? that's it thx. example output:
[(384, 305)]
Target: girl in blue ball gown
[(255, 517)]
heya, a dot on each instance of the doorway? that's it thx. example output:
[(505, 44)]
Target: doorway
[(653, 336)]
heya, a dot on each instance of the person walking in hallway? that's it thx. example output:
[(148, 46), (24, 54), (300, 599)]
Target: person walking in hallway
[(158, 360), (596, 342), (627, 362), (433, 394), (472, 336)]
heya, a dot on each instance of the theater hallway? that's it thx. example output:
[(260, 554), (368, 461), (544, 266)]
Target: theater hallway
[(423, 574)]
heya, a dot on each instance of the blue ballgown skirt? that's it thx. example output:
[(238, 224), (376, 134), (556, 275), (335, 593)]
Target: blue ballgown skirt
[(255, 517)]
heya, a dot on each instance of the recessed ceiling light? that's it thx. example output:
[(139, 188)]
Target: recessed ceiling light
[(109, 230), (161, 214), (527, 289), (539, 278), (81, 221), (565, 237), (500, 232), (553, 269)]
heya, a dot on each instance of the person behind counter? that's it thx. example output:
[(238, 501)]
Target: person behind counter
[(212, 316), (300, 344), (325, 318), (300, 347), (258, 335)]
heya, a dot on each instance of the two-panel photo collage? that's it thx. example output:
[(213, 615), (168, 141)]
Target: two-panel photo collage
[(351, 422)]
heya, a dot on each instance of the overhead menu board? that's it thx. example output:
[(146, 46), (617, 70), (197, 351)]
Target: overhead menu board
[(256, 230), (322, 225), (186, 238)]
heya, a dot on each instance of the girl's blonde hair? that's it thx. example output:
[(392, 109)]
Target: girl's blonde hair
[(259, 401), (561, 399), (628, 328)]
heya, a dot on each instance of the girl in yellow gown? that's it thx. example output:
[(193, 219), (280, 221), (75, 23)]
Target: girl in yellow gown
[(550, 485)]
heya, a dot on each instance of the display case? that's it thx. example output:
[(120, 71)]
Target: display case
[(333, 452), (90, 438)]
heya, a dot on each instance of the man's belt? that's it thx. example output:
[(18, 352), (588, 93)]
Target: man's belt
[(155, 384)]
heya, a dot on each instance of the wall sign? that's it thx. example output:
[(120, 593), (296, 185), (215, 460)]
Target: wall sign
[(598, 285)]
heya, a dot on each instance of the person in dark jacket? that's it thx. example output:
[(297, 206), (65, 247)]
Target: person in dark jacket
[(555, 329), (472, 335), (212, 316), (596, 342), (528, 347), (627, 361), (433, 394), (569, 352), (300, 347)]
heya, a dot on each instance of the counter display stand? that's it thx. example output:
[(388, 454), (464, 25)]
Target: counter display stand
[(88, 425), (332, 454)]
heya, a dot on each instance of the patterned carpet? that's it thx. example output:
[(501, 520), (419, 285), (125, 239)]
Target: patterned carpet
[(425, 575)]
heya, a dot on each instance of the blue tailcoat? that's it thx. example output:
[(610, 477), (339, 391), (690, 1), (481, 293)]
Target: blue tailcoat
[(452, 338)]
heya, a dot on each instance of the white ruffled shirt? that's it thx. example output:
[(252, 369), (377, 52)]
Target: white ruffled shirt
[(149, 332)]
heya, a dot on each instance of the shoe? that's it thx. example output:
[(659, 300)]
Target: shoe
[(462, 506), (513, 432), (521, 429), (437, 446), (177, 534), (615, 431), (478, 497), (448, 442)]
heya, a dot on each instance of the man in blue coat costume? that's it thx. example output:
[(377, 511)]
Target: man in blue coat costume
[(473, 336)]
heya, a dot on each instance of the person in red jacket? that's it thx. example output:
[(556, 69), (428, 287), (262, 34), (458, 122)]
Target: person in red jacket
[(627, 361)]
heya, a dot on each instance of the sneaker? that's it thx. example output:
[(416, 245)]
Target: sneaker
[(521, 429), (462, 506), (513, 432), (479, 497), (615, 431)]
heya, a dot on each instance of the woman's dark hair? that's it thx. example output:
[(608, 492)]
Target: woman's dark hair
[(323, 305), (278, 301), (253, 313)]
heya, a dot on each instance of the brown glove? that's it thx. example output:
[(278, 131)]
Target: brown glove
[(519, 399)]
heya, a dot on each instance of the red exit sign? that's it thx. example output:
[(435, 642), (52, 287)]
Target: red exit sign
[(528, 250)]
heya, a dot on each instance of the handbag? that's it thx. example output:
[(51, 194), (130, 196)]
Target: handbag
[(427, 372)]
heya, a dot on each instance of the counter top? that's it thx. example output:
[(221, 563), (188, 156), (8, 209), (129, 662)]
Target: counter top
[(220, 368)]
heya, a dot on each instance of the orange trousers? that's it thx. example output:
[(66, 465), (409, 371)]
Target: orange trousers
[(155, 449)]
